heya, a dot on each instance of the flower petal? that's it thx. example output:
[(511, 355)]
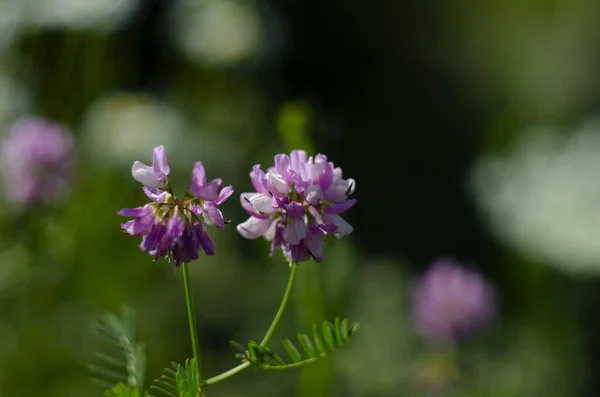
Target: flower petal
[(155, 195), (313, 194), (257, 203), (198, 175), (297, 160), (295, 210), (338, 208), (144, 174), (175, 227), (326, 177), (258, 178), (277, 236), (338, 191), (277, 184), (205, 241), (344, 228), (314, 244), (254, 227), (295, 231), (160, 164), (137, 227), (327, 228), (135, 212), (208, 192), (212, 216), (150, 241), (224, 194)]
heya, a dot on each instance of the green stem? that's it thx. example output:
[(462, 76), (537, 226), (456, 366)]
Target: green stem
[(293, 365), (284, 301), (191, 317), (268, 335), (227, 374)]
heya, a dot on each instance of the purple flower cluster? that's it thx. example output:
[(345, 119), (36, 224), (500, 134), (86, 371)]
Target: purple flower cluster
[(36, 160), (449, 301), (173, 227), (296, 202)]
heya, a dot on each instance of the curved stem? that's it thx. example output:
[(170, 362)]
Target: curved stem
[(284, 301), (192, 318), (268, 335), (226, 374)]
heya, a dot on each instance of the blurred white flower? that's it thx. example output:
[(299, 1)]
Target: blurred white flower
[(124, 127), (81, 14), (218, 33), (12, 20), (543, 197)]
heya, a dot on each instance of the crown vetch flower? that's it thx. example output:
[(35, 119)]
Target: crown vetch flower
[(173, 227), (36, 160), (449, 301), (296, 202)]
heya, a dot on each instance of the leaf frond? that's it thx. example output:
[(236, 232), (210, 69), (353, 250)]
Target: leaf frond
[(324, 341), (179, 381), (127, 364)]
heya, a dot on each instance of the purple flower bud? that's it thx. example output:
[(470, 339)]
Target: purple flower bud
[(36, 158), (296, 202), (169, 226), (449, 301)]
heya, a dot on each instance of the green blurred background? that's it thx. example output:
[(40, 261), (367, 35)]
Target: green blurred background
[(470, 127)]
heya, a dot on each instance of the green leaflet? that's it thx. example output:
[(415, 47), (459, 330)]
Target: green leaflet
[(292, 350)]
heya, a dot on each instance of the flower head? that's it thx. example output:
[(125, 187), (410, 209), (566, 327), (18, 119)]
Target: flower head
[(449, 301), (296, 202), (173, 227), (36, 159)]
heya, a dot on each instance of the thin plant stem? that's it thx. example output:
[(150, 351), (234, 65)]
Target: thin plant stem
[(268, 335), (284, 301), (192, 317), (293, 365), (227, 374)]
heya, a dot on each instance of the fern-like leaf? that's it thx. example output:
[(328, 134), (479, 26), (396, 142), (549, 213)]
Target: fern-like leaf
[(321, 344), (167, 383), (188, 383), (128, 364), (179, 380)]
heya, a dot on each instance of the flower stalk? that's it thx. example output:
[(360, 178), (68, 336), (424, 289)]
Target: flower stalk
[(270, 331), (282, 306), (189, 299)]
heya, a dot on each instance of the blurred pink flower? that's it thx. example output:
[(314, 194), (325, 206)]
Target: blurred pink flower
[(449, 301), (36, 159)]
